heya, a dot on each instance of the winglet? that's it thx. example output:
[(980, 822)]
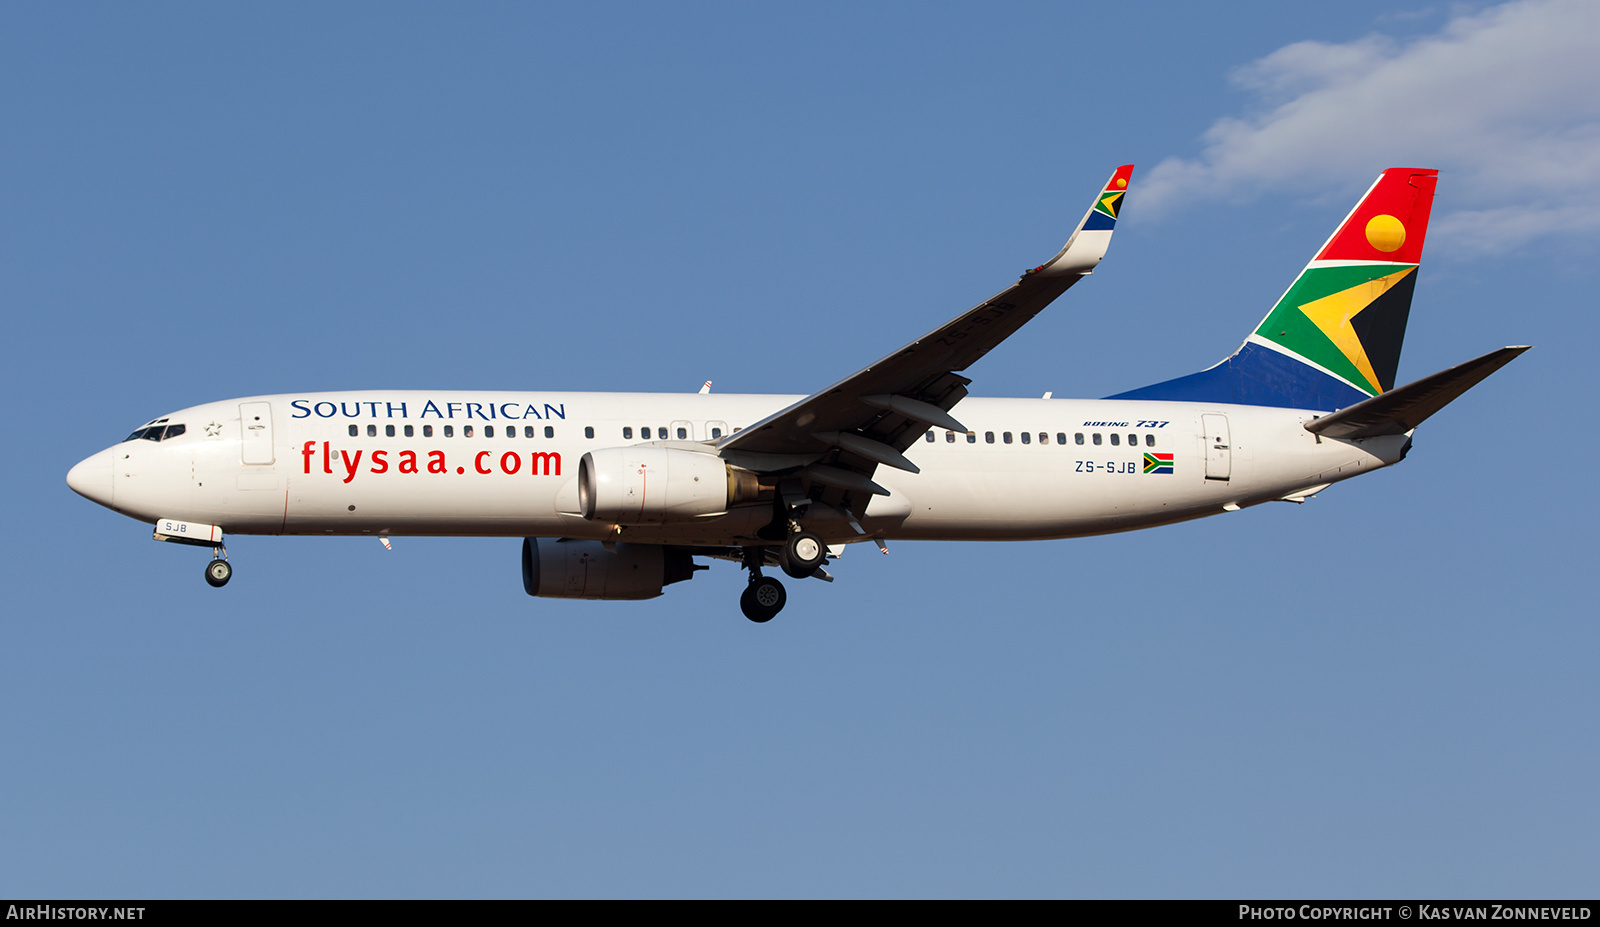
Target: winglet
[(1092, 237)]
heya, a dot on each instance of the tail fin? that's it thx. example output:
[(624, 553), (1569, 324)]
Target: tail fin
[(1334, 337)]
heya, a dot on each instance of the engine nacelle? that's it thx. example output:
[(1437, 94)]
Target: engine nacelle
[(566, 569), (656, 485)]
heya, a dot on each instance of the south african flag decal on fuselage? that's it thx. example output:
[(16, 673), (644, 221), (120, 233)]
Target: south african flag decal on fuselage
[(1157, 463)]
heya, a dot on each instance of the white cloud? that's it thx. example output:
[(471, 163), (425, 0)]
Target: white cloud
[(1505, 102)]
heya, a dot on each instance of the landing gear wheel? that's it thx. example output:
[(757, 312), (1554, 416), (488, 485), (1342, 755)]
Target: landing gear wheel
[(218, 573), (802, 554), (763, 599)]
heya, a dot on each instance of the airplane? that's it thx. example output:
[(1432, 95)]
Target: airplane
[(615, 494)]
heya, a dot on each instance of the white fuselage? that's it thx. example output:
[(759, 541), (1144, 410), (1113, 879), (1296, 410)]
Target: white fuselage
[(482, 463)]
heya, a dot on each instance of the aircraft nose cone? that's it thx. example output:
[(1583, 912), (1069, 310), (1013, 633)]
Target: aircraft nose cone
[(92, 479)]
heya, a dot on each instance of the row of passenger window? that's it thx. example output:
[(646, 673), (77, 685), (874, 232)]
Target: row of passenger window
[(466, 431), (1044, 438), (510, 431), (155, 433), (661, 433)]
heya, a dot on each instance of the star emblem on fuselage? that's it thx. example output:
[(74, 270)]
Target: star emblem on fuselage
[(214, 429)]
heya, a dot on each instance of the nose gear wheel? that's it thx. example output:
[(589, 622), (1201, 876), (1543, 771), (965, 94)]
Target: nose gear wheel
[(218, 572)]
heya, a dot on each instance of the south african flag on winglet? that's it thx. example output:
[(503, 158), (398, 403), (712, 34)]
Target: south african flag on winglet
[(1110, 199), (1157, 463)]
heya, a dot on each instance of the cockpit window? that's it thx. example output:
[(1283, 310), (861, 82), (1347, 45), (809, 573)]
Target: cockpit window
[(156, 432)]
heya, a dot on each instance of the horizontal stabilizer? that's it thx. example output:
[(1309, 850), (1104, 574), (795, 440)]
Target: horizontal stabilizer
[(1400, 410)]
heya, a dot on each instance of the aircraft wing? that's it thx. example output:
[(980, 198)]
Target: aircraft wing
[(840, 434)]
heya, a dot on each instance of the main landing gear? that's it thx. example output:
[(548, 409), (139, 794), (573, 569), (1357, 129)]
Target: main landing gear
[(762, 599), (802, 555), (218, 572)]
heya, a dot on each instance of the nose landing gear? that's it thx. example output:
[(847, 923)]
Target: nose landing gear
[(218, 572)]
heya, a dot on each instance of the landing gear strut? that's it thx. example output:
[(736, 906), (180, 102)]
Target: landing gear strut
[(218, 572), (764, 597)]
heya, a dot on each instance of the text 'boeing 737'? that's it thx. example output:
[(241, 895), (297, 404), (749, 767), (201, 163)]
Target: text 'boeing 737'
[(615, 494)]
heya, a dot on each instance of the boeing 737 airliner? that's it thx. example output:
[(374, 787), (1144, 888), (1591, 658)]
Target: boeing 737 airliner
[(614, 494)]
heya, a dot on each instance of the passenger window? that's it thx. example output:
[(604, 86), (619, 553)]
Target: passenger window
[(627, 432), (949, 437), (410, 432), (972, 437), (716, 433), (1097, 439), (988, 437), (488, 431), (683, 434), (388, 431), (1149, 440), (1061, 438), (427, 431), (449, 431), (1044, 437), (1006, 437), (355, 431), (549, 431), (661, 434), (466, 431), (527, 431), (372, 431), (928, 437), (1027, 438), (588, 431), (1133, 440), (1115, 439)]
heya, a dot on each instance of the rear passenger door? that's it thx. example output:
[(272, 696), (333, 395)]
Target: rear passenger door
[(1219, 449)]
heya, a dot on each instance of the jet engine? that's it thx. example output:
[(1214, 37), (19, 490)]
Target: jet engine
[(567, 569), (657, 485)]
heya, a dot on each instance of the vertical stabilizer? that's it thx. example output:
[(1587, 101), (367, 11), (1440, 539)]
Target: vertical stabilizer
[(1333, 339)]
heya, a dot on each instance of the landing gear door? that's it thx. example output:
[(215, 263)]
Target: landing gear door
[(1219, 447), (255, 422)]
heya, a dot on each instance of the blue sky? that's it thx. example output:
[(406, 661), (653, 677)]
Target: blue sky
[(1388, 691)]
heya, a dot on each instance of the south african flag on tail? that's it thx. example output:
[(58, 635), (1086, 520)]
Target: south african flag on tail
[(1157, 463), (1333, 339)]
